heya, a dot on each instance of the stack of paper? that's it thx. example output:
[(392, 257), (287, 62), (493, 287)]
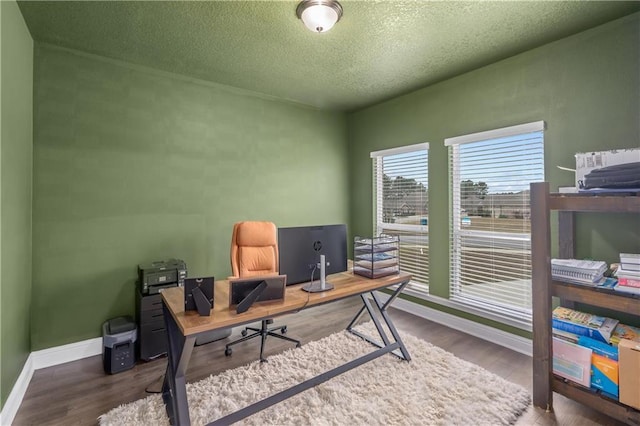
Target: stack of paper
[(630, 261), (587, 272)]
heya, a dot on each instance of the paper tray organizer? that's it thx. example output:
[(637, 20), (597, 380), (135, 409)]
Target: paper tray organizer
[(376, 257)]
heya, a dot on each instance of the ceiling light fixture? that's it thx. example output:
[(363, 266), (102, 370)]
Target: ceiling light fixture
[(319, 15)]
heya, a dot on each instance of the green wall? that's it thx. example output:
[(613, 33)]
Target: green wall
[(133, 165), (16, 153), (586, 87)]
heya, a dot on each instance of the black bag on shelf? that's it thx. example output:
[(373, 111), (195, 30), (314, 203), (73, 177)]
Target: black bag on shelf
[(625, 175)]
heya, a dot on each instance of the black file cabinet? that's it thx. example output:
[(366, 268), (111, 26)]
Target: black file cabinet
[(152, 340)]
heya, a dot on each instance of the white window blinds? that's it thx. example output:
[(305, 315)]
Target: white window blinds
[(400, 186), (490, 251)]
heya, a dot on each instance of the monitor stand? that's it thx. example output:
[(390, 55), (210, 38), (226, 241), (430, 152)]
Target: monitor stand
[(323, 285)]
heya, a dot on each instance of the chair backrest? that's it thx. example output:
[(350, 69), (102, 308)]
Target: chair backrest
[(254, 249)]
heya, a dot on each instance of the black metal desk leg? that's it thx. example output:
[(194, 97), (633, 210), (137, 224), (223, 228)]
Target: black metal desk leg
[(374, 318), (356, 318), (382, 309), (174, 387), (391, 299), (392, 328), (395, 294)]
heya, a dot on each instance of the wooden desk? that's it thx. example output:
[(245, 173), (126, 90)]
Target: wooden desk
[(183, 328)]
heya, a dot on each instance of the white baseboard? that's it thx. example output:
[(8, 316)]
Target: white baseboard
[(508, 340), (66, 353), (42, 359), (10, 408)]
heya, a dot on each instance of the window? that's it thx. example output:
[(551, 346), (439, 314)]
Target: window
[(490, 249), (400, 185)]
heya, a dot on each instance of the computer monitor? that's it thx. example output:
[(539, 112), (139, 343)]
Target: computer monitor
[(300, 249)]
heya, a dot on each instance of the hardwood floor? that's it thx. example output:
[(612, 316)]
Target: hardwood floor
[(78, 392)]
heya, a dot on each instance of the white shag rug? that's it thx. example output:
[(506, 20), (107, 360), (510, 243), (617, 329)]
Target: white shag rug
[(435, 388)]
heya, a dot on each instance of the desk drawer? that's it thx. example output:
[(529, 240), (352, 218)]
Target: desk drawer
[(151, 326), (153, 340), (151, 302), (150, 316)]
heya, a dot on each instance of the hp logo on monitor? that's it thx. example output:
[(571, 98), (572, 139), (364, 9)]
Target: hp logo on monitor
[(317, 245)]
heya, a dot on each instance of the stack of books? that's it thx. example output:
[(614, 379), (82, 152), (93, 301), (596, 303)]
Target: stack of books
[(587, 349), (585, 272), (581, 349), (629, 273), (567, 322)]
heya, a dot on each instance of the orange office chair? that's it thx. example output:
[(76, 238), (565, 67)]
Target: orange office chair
[(254, 252)]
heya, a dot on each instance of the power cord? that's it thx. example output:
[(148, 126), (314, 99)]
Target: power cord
[(313, 272)]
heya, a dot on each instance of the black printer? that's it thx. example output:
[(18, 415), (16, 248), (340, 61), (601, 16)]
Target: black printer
[(155, 276)]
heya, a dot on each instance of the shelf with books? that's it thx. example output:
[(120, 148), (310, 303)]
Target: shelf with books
[(545, 287), (606, 298)]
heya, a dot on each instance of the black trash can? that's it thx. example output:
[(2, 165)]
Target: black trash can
[(119, 337)]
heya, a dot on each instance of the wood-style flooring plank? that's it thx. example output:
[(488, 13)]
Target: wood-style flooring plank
[(78, 392)]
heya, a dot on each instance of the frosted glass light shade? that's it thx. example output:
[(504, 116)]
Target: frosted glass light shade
[(319, 18), (319, 15)]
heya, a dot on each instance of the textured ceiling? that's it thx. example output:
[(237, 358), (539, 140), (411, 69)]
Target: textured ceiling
[(378, 50)]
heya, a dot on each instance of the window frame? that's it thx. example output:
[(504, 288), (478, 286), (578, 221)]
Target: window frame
[(414, 288), (509, 313)]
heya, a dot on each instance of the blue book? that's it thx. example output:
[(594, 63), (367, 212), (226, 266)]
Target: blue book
[(602, 333), (608, 283), (599, 348)]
